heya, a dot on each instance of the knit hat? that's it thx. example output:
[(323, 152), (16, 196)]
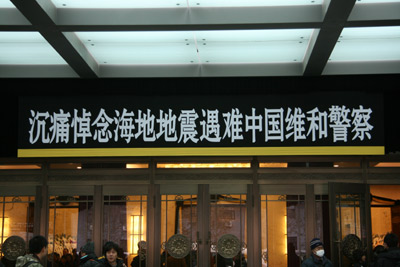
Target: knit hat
[(315, 243), (88, 248)]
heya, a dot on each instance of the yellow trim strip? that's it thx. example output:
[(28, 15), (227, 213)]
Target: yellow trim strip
[(202, 151)]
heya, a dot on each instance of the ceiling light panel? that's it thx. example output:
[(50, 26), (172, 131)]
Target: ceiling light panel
[(27, 48), (251, 46), (140, 47), (376, 1), (119, 3), (368, 44), (6, 4), (244, 3), (178, 3)]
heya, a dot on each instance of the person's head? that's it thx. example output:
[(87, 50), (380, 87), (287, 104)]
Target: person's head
[(391, 240), (142, 245), (110, 251), (317, 247), (87, 249), (377, 250), (65, 251), (38, 246)]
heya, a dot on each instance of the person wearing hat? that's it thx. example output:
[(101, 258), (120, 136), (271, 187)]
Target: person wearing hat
[(88, 257), (317, 258)]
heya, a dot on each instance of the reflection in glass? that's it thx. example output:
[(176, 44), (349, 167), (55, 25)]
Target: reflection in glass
[(70, 227), (348, 220), (385, 211), (16, 218), (283, 230), (228, 217), (125, 219)]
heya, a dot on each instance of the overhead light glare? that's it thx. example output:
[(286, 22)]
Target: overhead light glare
[(137, 165), (202, 165)]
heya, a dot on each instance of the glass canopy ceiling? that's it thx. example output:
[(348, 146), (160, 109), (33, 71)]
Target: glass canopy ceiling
[(205, 38)]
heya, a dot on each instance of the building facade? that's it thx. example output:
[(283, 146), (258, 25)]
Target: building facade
[(205, 209)]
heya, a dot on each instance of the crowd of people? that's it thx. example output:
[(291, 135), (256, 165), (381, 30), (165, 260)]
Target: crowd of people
[(387, 255)]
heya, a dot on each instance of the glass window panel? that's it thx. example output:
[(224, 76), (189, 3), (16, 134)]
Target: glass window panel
[(348, 219), (179, 216), (16, 218), (283, 230), (385, 213), (70, 227), (125, 221)]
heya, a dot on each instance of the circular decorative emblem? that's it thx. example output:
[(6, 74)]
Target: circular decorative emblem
[(13, 247), (228, 246), (178, 246), (350, 244)]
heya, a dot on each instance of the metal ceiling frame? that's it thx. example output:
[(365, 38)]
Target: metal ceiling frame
[(57, 26)]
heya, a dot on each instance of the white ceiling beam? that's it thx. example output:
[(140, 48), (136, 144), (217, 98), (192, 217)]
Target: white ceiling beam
[(201, 70), (375, 11), (362, 67), (37, 71), (12, 16), (190, 16)]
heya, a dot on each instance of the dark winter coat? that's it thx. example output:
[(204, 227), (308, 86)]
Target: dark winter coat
[(89, 260), (104, 262), (313, 261), (138, 261), (390, 258)]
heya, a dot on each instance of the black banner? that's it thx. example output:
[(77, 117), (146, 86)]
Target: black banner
[(350, 119)]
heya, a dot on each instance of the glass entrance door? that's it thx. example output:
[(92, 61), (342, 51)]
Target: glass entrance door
[(228, 225), (228, 230), (179, 225), (349, 213), (204, 229), (178, 230)]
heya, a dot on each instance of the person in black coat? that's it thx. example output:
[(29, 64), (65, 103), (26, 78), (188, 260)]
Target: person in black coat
[(391, 257), (317, 258), (110, 256), (140, 259), (360, 258), (88, 257)]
